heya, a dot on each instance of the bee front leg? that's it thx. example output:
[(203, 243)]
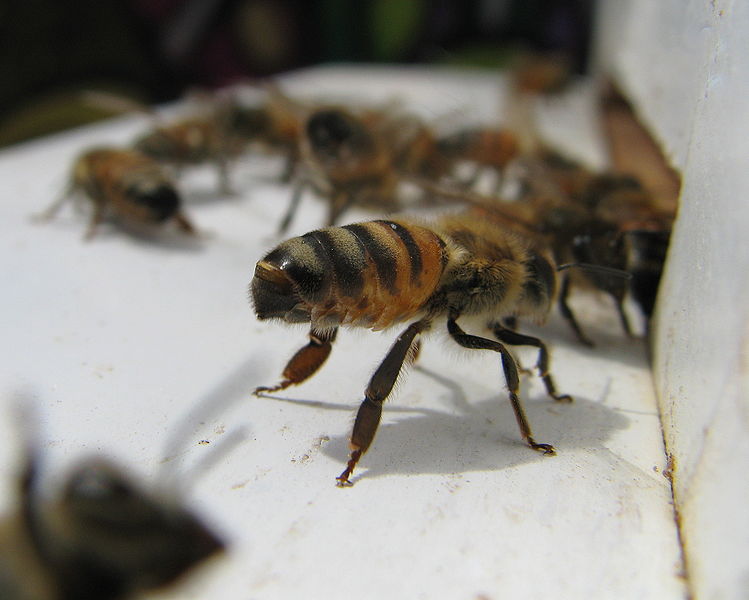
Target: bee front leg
[(511, 377), (514, 338), (379, 388), (306, 361), (52, 210)]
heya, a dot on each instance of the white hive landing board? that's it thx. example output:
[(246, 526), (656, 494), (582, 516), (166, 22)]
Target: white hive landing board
[(119, 343)]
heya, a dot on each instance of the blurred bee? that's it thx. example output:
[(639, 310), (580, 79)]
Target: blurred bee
[(604, 219), (345, 161), (226, 129), (193, 141), (125, 185), (202, 137), (276, 125), (378, 274), (103, 538), (484, 147)]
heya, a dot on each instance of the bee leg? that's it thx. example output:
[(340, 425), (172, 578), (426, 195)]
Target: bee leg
[(513, 338), (512, 323), (306, 361), (96, 218), (55, 207), (623, 318), (475, 342), (290, 164), (567, 313), (184, 224), (296, 196), (339, 204), (379, 388), (224, 185)]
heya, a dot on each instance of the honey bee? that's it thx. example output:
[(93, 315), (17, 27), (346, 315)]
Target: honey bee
[(345, 161), (378, 274), (485, 147), (276, 124), (103, 538), (204, 136), (125, 185), (193, 141), (603, 219), (226, 129)]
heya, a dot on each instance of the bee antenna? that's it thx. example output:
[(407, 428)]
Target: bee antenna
[(601, 269)]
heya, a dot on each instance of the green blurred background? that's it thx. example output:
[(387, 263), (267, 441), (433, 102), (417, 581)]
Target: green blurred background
[(154, 50)]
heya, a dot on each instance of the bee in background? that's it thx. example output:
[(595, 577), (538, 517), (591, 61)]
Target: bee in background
[(603, 219), (204, 136), (275, 124), (193, 141), (542, 73), (483, 147), (103, 538), (127, 186), (225, 128), (345, 161), (379, 274)]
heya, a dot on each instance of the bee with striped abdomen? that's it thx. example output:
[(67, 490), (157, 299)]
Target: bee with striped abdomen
[(127, 186), (346, 161), (379, 274)]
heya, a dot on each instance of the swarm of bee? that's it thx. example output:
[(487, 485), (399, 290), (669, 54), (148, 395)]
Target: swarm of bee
[(499, 258)]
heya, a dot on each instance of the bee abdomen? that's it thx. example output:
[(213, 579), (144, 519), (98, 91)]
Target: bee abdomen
[(368, 274)]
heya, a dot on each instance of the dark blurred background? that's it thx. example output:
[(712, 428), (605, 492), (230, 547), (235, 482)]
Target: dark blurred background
[(154, 50)]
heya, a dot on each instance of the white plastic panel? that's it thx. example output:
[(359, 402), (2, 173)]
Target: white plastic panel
[(120, 343)]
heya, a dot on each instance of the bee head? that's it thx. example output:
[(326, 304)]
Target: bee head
[(158, 199), (333, 133)]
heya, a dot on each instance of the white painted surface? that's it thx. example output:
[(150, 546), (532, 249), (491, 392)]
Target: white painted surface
[(686, 65), (122, 342)]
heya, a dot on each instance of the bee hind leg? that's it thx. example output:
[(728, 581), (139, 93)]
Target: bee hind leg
[(306, 362)]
